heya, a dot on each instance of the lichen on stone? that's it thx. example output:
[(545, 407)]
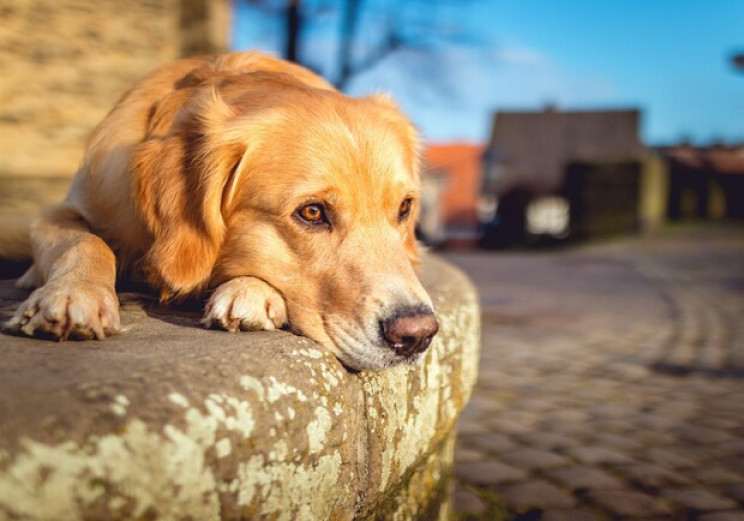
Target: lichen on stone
[(298, 437)]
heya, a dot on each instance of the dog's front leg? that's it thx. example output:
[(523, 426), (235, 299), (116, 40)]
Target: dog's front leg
[(77, 271), (247, 304)]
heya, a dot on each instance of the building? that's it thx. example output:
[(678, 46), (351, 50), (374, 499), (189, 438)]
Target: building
[(569, 174), (705, 182), (66, 62), (455, 170)]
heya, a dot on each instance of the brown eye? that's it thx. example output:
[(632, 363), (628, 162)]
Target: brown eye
[(405, 208), (313, 214)]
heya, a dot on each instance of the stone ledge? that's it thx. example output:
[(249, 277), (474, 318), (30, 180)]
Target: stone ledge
[(170, 421)]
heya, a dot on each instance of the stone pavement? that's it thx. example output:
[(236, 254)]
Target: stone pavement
[(611, 384)]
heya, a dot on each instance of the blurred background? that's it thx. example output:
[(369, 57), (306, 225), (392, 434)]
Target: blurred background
[(544, 122), (611, 373)]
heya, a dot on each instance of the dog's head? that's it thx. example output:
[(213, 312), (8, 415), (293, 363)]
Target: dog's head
[(313, 192)]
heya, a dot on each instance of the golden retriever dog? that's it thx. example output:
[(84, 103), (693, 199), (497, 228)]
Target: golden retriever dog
[(250, 183)]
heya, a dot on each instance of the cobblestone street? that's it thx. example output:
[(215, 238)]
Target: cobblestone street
[(611, 382)]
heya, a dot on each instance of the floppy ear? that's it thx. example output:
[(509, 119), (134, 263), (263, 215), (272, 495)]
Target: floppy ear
[(182, 181)]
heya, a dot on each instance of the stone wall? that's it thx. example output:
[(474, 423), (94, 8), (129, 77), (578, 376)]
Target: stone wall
[(170, 421), (64, 63)]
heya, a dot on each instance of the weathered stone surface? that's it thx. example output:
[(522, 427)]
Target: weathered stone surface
[(465, 501), (703, 435), (584, 478), (170, 421), (561, 330), (547, 440), (466, 454), (698, 499), (567, 515), (628, 503), (736, 492), (594, 455), (490, 443), (651, 476), (66, 62), (716, 476), (540, 494), (488, 472), (723, 516), (669, 459), (534, 459)]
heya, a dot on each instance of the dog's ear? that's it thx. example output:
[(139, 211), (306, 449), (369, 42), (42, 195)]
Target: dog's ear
[(183, 181)]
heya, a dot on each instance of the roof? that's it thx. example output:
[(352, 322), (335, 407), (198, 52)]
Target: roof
[(720, 159), (460, 165), (451, 155), (534, 148)]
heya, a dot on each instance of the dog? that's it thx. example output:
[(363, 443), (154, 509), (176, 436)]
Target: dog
[(252, 184)]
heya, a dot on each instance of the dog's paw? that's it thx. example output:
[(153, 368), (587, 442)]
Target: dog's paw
[(63, 309), (247, 304)]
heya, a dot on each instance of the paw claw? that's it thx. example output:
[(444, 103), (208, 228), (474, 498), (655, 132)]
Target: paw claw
[(63, 310)]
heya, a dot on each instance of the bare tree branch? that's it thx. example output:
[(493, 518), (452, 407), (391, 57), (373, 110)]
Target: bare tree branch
[(294, 21), (348, 32), (411, 26), (738, 61)]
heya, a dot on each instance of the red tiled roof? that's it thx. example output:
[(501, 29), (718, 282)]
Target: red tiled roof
[(460, 163), (718, 159)]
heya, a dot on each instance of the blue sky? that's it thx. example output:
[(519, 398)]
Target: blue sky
[(669, 58)]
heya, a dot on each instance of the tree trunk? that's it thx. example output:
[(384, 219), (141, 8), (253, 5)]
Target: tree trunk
[(294, 23), (348, 30)]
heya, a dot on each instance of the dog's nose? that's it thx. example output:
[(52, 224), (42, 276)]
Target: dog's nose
[(410, 330)]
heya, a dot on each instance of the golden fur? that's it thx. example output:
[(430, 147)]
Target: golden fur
[(192, 184)]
